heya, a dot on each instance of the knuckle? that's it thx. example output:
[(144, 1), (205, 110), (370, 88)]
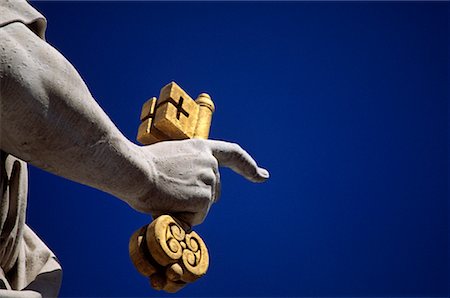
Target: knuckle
[(207, 202), (204, 195), (198, 143), (203, 201), (213, 163), (208, 179), (198, 218)]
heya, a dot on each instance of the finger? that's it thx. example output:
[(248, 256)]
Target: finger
[(189, 219), (212, 164), (185, 219), (234, 157), (200, 216), (195, 199), (217, 186), (211, 178)]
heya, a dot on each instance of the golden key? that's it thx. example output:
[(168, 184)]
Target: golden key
[(163, 250)]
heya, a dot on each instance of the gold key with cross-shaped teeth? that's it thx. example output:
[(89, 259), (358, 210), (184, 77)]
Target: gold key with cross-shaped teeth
[(164, 250), (175, 116)]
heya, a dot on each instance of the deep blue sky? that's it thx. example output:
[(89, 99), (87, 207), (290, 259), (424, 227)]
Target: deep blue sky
[(345, 103)]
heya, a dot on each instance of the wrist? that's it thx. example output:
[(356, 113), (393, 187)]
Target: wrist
[(140, 177)]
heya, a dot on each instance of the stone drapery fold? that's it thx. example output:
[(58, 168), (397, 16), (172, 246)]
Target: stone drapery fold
[(26, 263)]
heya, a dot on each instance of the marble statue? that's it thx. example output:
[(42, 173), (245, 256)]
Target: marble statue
[(68, 134)]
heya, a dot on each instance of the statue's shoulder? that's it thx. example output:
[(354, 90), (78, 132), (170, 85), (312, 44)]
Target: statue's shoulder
[(21, 11)]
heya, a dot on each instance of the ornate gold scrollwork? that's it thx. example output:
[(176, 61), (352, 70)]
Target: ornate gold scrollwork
[(169, 255)]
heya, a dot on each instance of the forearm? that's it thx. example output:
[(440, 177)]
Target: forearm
[(49, 118)]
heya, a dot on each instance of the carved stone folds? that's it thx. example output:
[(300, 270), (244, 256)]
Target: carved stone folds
[(168, 255)]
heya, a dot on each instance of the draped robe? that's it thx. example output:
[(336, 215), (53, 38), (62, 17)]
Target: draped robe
[(26, 263)]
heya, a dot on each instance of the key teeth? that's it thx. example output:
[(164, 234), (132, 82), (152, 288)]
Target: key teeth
[(175, 116)]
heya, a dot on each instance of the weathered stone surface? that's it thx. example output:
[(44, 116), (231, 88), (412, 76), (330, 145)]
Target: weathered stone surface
[(68, 134)]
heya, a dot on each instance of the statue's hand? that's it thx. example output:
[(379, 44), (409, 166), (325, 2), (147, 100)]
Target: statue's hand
[(185, 179)]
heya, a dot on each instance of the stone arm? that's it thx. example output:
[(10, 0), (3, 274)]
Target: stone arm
[(49, 118)]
